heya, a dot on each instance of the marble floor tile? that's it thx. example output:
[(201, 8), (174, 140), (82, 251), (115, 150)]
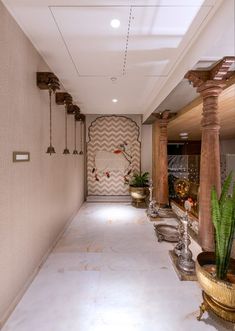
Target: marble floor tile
[(108, 272)]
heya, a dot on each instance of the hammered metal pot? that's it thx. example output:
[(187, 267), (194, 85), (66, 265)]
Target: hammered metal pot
[(221, 292), (138, 194)]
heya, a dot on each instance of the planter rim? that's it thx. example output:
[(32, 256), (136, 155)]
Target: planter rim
[(139, 186), (205, 258), (221, 292), (209, 257)]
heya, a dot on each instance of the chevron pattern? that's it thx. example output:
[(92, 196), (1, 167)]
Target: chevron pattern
[(106, 133)]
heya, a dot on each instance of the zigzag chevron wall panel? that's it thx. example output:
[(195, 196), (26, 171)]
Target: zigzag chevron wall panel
[(113, 154)]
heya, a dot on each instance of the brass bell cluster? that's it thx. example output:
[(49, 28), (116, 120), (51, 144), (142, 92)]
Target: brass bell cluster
[(48, 81)]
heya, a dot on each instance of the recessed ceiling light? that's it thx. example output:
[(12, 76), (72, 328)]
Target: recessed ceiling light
[(183, 134), (115, 100), (115, 23)]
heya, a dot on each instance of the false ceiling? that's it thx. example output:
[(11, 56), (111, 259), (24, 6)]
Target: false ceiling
[(133, 63), (189, 119)]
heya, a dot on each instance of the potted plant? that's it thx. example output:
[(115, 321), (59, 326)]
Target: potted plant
[(138, 187), (216, 271)]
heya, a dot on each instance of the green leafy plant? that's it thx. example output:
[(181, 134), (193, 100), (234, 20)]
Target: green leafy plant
[(140, 180), (223, 216)]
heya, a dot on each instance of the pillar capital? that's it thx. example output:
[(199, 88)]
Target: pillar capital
[(164, 117), (163, 120), (211, 88), (210, 91)]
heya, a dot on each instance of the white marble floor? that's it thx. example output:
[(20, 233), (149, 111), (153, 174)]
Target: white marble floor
[(109, 273)]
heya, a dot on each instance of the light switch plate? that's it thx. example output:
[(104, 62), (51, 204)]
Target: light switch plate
[(21, 156)]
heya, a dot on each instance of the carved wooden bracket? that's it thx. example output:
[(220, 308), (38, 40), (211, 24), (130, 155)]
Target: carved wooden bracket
[(221, 69), (219, 72), (47, 80), (63, 98), (79, 117)]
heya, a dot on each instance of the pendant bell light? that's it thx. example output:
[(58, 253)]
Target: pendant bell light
[(76, 112), (66, 150), (80, 118), (75, 152), (50, 148), (81, 140), (48, 81), (64, 98)]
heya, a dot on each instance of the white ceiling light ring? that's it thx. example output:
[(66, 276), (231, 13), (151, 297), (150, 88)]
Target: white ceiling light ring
[(115, 23)]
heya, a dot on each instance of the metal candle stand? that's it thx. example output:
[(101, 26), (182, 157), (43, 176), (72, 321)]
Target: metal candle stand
[(185, 261), (179, 246), (152, 210)]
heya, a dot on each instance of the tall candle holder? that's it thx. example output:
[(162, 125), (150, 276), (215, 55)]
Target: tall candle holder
[(179, 246), (152, 210), (185, 260)]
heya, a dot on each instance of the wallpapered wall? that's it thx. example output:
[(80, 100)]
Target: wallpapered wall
[(39, 197), (113, 154)]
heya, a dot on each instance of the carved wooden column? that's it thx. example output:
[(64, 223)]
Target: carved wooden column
[(161, 159), (209, 84), (210, 160), (162, 192)]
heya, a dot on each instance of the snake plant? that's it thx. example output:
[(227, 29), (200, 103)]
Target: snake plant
[(223, 217)]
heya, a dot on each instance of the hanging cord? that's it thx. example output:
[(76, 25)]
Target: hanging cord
[(52, 85), (81, 152), (50, 91), (50, 149), (66, 150), (75, 136), (66, 138)]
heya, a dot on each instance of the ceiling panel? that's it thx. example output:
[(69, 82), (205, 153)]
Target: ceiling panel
[(151, 41), (131, 93), (77, 42), (96, 48)]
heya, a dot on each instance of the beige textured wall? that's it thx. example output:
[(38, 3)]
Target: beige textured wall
[(39, 197)]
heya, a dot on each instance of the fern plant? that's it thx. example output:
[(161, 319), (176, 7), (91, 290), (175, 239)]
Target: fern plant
[(223, 217), (140, 180)]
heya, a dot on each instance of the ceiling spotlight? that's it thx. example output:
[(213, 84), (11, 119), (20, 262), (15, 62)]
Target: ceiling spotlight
[(115, 23), (114, 100)]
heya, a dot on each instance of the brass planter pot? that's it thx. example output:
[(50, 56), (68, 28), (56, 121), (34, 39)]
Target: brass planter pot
[(218, 295), (138, 194)]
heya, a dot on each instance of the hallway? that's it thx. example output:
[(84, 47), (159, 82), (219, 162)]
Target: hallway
[(115, 101), (109, 273)]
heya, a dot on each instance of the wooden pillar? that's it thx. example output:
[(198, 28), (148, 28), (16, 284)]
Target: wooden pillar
[(160, 164), (155, 145), (210, 160), (210, 84)]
